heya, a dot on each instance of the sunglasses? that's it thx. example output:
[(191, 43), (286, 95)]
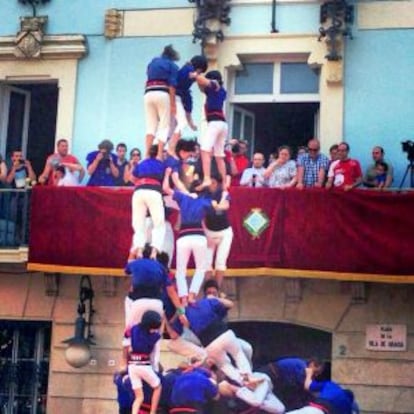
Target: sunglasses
[(136, 154), (313, 149)]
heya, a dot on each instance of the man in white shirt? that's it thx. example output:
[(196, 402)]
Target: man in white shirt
[(253, 176)]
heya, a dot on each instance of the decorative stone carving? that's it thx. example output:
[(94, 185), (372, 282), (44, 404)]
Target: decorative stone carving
[(28, 43), (113, 23)]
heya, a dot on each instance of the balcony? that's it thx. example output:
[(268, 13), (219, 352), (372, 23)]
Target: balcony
[(358, 236), (14, 225)]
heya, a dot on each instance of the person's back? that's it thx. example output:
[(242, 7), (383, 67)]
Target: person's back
[(193, 389), (333, 395), (125, 394)]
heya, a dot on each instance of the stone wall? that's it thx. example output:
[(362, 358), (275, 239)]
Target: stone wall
[(382, 381)]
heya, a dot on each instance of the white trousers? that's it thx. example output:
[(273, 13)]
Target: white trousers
[(180, 116), (227, 343), (134, 309), (214, 138), (218, 243), (144, 200), (195, 244), (262, 396), (157, 114), (185, 348), (168, 243), (139, 373), (306, 410)]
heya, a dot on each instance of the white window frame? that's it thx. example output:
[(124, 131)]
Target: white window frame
[(276, 96), (5, 94)]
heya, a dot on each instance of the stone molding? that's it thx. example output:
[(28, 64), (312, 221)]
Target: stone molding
[(52, 47)]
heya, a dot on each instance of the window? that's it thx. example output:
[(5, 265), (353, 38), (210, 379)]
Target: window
[(298, 78), (24, 366), (255, 78), (286, 79)]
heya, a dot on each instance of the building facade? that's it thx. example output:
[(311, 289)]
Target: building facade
[(77, 71)]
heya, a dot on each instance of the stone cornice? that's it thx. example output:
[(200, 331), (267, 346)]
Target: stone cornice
[(53, 47)]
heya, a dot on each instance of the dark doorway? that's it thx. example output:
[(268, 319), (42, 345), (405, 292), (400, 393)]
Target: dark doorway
[(273, 340), (42, 126), (279, 124), (31, 120)]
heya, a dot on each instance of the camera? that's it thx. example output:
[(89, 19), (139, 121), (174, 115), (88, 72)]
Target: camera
[(408, 147), (235, 149), (21, 162)]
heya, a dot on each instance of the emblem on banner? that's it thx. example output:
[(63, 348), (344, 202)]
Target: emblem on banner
[(256, 222)]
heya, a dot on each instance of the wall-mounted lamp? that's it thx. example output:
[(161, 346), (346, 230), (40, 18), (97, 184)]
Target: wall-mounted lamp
[(33, 4), (337, 17), (78, 353), (211, 14)]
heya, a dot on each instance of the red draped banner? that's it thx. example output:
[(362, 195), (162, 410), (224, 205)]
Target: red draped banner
[(357, 235)]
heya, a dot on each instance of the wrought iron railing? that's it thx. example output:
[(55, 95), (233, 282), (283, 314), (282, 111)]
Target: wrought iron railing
[(14, 217)]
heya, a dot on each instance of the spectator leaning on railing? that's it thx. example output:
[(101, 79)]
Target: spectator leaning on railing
[(63, 158), (281, 173), (20, 173), (345, 172), (312, 166), (254, 175), (371, 174)]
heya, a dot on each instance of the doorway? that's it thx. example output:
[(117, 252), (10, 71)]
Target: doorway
[(28, 120), (275, 340), (267, 126)]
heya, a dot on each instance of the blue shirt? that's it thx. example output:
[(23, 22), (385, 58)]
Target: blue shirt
[(125, 394), (291, 370), (183, 86), (162, 68), (311, 168), (102, 176), (334, 394), (142, 341), (173, 163), (193, 210), (216, 95), (149, 168), (147, 272), (193, 389), (202, 314)]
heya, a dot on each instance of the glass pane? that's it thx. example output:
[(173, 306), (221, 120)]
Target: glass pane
[(298, 78), (27, 339), (237, 119), (255, 78), (248, 128), (26, 377), (16, 118), (24, 368)]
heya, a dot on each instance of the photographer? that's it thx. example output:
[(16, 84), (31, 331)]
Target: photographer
[(240, 160), (20, 172), (101, 165)]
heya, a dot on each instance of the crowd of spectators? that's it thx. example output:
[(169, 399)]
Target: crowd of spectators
[(107, 167)]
